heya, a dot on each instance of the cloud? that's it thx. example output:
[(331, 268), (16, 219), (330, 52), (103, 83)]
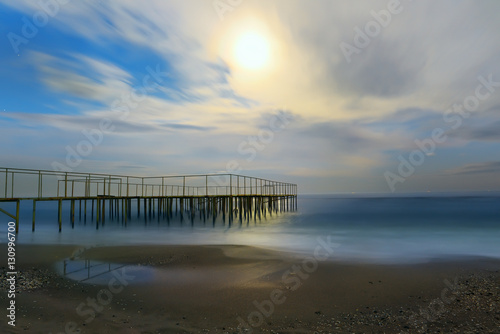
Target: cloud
[(81, 77), (78, 123), (479, 127), (380, 72), (345, 136), (490, 132), (477, 168)]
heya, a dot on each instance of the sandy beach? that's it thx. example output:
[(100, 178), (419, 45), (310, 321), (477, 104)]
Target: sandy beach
[(233, 289)]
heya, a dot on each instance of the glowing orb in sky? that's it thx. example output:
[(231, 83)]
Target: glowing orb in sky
[(252, 51)]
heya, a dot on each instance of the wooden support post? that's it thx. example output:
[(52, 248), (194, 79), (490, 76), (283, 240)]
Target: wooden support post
[(72, 213), (160, 206), (165, 207), (240, 204), (98, 212), (159, 209), (128, 206), (214, 210), (191, 209), (103, 215), (138, 207), (264, 209), (60, 214), (171, 207), (34, 212), (270, 205), (245, 202), (257, 207), (250, 205), (150, 207)]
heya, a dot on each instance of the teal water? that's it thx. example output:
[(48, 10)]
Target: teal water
[(367, 229)]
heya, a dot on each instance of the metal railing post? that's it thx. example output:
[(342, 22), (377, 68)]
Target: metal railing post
[(39, 188), (183, 186), (6, 180)]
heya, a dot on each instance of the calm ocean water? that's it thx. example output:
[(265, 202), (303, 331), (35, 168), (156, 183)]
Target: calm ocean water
[(373, 229)]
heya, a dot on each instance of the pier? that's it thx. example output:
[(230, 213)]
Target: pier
[(99, 197)]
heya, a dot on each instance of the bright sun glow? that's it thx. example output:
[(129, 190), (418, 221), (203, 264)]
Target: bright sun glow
[(252, 51)]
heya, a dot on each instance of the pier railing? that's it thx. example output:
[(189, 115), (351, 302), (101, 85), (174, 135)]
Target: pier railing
[(227, 190), (18, 183)]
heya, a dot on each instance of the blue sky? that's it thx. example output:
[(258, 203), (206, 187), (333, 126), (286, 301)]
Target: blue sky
[(330, 95)]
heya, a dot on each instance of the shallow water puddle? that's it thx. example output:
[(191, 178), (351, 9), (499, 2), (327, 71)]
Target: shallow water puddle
[(97, 272), (102, 273)]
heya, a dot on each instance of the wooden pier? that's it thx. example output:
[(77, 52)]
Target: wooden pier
[(106, 196)]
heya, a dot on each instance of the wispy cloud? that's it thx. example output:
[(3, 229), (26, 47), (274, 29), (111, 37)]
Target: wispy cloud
[(477, 168), (81, 76)]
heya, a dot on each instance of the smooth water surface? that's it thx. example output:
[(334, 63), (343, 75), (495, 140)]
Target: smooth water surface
[(368, 229)]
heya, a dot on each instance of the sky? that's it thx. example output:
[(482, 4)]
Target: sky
[(336, 96)]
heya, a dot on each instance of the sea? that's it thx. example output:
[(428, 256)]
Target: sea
[(365, 228)]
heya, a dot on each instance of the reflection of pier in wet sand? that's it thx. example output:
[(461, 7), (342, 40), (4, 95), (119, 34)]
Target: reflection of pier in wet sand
[(109, 196), (85, 270)]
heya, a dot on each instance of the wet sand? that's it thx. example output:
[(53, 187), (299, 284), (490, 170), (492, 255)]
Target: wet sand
[(233, 289)]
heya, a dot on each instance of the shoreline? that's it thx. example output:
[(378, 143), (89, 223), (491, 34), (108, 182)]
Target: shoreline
[(215, 289)]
